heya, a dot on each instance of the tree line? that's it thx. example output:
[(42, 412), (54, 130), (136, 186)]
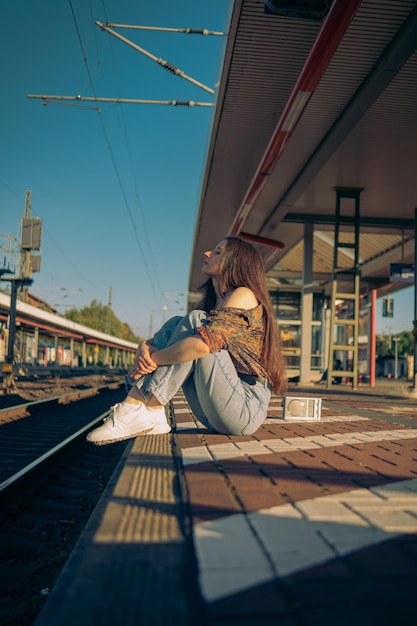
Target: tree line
[(101, 317), (385, 344)]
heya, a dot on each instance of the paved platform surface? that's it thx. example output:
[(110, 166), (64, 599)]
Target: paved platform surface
[(304, 523)]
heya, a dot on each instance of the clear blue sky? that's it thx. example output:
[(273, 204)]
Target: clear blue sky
[(117, 191), (403, 313)]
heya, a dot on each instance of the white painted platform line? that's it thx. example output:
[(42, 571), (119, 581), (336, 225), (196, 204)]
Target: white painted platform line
[(236, 449), (327, 419), (238, 552)]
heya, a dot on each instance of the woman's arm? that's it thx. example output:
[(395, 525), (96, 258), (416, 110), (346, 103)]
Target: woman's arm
[(187, 349)]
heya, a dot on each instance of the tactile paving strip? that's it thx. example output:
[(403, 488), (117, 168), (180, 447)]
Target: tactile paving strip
[(133, 564)]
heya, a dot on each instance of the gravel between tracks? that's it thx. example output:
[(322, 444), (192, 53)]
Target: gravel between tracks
[(30, 390), (38, 531)]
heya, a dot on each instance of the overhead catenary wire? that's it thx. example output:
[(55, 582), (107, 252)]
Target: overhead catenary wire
[(116, 169), (188, 31), (168, 66), (76, 101), (125, 133), (50, 98), (57, 100)]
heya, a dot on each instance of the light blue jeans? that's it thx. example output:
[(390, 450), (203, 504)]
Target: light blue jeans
[(216, 395)]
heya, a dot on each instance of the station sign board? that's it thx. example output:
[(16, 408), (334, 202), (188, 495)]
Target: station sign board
[(402, 272)]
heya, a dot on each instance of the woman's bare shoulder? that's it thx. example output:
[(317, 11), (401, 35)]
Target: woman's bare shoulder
[(241, 298)]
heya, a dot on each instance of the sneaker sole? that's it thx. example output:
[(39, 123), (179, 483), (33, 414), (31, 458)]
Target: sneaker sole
[(158, 429), (104, 442)]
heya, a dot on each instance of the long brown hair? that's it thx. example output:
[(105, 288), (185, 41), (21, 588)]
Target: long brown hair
[(241, 265)]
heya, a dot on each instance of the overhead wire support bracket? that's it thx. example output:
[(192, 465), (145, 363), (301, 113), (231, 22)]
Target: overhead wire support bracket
[(168, 66), (187, 31), (46, 99)]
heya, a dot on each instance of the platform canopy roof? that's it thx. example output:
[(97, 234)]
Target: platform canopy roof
[(314, 96)]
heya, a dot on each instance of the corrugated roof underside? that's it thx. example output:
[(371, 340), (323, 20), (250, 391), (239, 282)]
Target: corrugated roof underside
[(258, 87), (372, 30), (370, 247)]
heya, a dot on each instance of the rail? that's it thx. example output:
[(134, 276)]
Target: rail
[(19, 435)]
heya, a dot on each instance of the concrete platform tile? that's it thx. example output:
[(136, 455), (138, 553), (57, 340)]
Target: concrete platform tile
[(224, 451), (219, 583), (389, 470), (252, 448), (389, 518), (271, 426), (279, 445), (386, 559), (211, 504), (262, 601), (306, 460), (341, 463), (316, 441), (277, 463), (343, 418), (328, 415), (358, 496), (215, 439), (293, 544), (397, 489), (304, 444), (324, 441), (342, 438), (398, 433), (192, 456), (289, 511), (347, 538), (360, 600), (297, 486), (229, 557), (252, 501), (329, 570), (181, 411), (234, 531), (185, 425), (189, 440), (406, 433), (254, 492), (321, 509)]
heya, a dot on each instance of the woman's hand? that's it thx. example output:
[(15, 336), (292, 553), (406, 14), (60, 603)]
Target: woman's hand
[(143, 364)]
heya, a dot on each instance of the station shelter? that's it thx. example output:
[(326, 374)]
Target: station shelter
[(312, 158)]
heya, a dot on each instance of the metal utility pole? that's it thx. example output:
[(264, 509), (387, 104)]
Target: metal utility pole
[(414, 387), (108, 312), (396, 340), (30, 240)]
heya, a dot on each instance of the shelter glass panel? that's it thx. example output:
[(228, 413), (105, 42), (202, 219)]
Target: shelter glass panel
[(287, 305)]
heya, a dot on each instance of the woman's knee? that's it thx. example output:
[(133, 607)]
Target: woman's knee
[(164, 334)]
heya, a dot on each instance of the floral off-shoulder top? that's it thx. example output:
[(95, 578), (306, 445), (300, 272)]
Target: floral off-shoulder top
[(241, 333)]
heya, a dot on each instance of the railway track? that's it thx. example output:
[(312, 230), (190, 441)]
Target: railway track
[(33, 432), (50, 481)]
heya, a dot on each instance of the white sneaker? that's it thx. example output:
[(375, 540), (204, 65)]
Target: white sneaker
[(160, 422), (124, 421)]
